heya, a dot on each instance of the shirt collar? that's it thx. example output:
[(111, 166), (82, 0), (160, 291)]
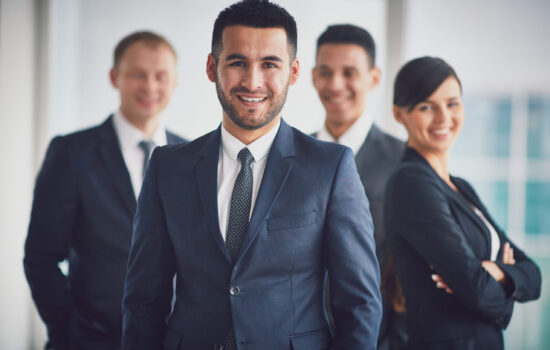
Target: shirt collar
[(354, 137), (259, 148), (130, 136)]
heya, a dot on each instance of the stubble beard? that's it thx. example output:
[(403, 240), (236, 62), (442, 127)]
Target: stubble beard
[(276, 107)]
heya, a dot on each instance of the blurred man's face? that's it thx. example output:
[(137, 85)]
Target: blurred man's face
[(252, 75), (145, 78), (343, 77)]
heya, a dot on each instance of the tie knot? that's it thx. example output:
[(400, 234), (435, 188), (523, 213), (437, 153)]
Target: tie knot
[(146, 146), (245, 157)]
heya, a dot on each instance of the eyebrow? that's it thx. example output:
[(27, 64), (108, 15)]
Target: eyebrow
[(449, 99), (238, 56), (324, 66)]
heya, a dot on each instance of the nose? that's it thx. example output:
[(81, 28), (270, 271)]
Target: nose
[(150, 83), (253, 79), (443, 115), (336, 82)]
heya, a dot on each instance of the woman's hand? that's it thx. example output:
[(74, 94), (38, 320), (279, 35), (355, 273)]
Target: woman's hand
[(489, 266), (494, 270)]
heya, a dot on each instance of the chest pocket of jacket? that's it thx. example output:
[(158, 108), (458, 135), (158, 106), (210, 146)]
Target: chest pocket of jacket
[(291, 221), (292, 236)]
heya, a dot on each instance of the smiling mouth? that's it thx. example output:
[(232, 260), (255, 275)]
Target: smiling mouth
[(252, 99), (442, 132)]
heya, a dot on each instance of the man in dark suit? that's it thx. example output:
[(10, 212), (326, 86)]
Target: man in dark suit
[(251, 217), (343, 75), (85, 200)]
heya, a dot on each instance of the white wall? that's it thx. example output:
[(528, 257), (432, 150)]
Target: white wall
[(496, 46), (17, 171)]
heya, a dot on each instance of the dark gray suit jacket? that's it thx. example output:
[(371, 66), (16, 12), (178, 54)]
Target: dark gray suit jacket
[(83, 209)]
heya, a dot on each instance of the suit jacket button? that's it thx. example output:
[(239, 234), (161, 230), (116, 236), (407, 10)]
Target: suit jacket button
[(234, 291)]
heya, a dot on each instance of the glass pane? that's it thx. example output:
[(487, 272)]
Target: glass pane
[(486, 129), (538, 144), (537, 208)]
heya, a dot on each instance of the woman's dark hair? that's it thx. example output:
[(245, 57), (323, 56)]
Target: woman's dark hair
[(418, 79)]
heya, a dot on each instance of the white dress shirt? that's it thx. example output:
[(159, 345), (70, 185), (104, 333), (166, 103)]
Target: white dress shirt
[(229, 166), (129, 138), (354, 137), (495, 239)]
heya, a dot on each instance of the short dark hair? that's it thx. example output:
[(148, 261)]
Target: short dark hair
[(419, 78), (256, 14), (148, 38), (349, 34)]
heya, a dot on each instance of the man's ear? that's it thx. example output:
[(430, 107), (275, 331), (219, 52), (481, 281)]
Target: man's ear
[(375, 75), (314, 76), (113, 77), (211, 68), (294, 72)]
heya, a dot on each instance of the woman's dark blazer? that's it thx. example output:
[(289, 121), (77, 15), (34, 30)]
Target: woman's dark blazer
[(433, 229)]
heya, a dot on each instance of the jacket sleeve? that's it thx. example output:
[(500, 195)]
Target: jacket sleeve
[(352, 265), (53, 215), (423, 218), (151, 266), (524, 276)]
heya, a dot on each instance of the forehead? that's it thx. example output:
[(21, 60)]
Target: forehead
[(141, 53), (449, 88), (251, 42), (349, 55)]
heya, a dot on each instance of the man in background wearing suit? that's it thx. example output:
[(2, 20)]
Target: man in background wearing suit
[(251, 217), (343, 75), (85, 200)]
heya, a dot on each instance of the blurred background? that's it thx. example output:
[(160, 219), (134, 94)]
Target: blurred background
[(54, 61)]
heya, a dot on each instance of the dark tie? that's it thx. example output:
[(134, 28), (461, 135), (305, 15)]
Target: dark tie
[(146, 147), (239, 213), (241, 200)]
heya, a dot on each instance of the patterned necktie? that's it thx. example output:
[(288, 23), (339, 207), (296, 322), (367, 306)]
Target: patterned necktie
[(239, 213), (146, 147), (241, 201)]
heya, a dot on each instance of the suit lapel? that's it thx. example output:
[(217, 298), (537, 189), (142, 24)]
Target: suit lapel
[(276, 173), (464, 200), (367, 155), (111, 154), (206, 176), (460, 199)]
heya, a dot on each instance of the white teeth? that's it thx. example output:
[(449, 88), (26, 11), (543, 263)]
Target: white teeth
[(442, 131), (252, 99)]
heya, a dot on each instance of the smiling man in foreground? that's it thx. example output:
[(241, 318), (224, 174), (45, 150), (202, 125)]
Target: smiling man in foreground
[(251, 217)]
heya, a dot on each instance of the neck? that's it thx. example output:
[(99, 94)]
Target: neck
[(440, 163), (147, 126), (337, 129), (244, 135)]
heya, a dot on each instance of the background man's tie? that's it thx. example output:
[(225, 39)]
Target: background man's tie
[(146, 147)]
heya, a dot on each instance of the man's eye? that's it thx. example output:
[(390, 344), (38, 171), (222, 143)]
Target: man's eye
[(348, 74), (325, 73), (137, 75), (237, 64), (424, 108), (269, 65)]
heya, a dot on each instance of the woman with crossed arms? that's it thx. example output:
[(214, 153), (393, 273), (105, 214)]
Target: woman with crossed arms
[(460, 273)]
